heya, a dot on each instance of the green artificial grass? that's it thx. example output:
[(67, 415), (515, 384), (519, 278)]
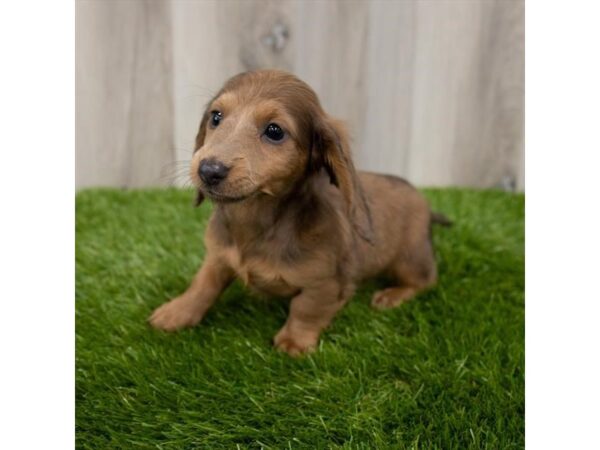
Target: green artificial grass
[(443, 371)]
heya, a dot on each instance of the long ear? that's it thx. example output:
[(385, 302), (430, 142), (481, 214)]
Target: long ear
[(333, 152), (199, 143)]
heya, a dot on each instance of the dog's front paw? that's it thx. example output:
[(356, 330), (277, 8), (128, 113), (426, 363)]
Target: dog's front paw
[(295, 343), (181, 312)]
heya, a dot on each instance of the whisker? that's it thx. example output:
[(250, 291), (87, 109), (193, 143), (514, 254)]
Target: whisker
[(174, 173)]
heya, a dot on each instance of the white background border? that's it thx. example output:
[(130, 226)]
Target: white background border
[(37, 224), (562, 147)]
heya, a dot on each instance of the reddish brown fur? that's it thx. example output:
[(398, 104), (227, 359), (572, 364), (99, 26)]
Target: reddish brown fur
[(295, 218)]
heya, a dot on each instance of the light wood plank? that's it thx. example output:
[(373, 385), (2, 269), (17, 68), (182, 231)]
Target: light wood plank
[(124, 112)]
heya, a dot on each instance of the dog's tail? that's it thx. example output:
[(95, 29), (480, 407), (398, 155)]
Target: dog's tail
[(440, 219)]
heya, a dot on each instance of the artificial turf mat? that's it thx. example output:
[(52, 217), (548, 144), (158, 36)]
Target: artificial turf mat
[(443, 371)]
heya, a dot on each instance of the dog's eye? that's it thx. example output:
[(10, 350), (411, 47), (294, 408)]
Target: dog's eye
[(215, 118), (274, 133)]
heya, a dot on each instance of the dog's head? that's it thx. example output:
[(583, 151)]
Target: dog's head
[(263, 134)]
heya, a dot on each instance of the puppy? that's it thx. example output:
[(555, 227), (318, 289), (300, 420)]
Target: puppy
[(292, 217)]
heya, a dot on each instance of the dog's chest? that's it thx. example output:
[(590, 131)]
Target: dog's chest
[(261, 273)]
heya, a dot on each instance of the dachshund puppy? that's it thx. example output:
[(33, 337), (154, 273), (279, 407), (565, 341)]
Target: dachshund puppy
[(292, 216)]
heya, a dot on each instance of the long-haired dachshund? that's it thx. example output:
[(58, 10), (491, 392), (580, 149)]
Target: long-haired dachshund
[(292, 216)]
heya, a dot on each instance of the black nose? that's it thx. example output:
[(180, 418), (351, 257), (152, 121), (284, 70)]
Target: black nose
[(212, 172)]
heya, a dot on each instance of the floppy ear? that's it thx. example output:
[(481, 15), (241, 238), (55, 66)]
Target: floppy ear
[(199, 198), (199, 143), (332, 150)]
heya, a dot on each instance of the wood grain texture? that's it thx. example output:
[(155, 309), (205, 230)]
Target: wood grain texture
[(124, 105), (432, 90)]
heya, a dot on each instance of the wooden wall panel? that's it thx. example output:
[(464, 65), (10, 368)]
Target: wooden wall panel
[(431, 89), (124, 104), (389, 87)]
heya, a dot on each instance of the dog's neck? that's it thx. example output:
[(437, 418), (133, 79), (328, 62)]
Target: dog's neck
[(263, 217), (251, 217)]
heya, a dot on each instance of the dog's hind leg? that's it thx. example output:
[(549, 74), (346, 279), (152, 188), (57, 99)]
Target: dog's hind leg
[(414, 270)]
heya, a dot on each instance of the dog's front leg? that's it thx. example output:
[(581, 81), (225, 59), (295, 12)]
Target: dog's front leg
[(311, 312), (191, 306)]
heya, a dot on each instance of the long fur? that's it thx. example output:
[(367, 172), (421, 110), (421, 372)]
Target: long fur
[(295, 218)]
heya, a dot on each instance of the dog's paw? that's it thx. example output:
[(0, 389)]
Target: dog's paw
[(392, 297), (177, 314), (295, 344)]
